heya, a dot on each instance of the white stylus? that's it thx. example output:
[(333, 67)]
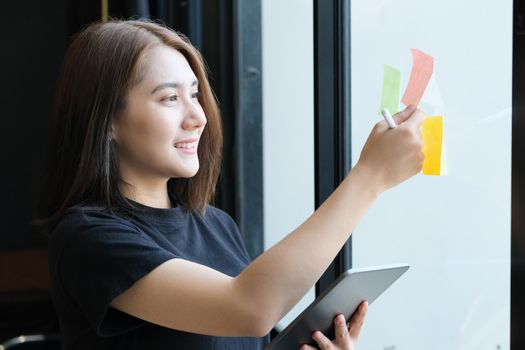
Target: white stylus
[(388, 117)]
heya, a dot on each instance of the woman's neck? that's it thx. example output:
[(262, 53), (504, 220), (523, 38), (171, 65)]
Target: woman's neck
[(151, 196)]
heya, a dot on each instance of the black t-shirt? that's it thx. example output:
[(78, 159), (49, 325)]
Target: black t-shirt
[(96, 255)]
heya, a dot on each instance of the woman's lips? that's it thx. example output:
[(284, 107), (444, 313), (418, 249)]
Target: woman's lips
[(188, 146)]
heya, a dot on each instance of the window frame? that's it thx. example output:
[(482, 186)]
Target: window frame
[(517, 271)]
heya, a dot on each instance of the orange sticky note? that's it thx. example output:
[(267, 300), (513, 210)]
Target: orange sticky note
[(432, 145), (422, 68)]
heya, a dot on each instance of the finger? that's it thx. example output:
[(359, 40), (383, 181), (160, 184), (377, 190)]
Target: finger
[(402, 116), (357, 320), (323, 342), (341, 330), (416, 119), (307, 347)]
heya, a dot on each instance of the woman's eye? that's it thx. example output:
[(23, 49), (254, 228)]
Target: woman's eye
[(170, 98), (175, 98)]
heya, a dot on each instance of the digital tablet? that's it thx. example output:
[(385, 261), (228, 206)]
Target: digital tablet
[(343, 296)]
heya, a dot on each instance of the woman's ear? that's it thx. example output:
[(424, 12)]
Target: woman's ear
[(112, 132)]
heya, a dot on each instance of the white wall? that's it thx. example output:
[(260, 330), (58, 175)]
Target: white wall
[(453, 230), (288, 121)]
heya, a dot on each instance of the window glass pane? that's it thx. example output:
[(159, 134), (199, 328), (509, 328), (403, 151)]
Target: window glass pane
[(288, 122), (453, 230)]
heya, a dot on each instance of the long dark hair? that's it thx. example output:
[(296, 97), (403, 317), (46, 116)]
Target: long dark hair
[(101, 64)]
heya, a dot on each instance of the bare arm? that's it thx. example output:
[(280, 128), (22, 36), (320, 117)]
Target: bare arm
[(194, 298)]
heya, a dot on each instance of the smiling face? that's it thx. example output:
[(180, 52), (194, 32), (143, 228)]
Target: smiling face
[(157, 133)]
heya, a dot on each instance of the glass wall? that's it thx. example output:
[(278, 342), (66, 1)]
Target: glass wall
[(453, 230), (288, 122)]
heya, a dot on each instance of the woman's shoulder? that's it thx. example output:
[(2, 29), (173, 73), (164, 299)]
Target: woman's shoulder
[(91, 229), (228, 228), (82, 219), (219, 216), (92, 214)]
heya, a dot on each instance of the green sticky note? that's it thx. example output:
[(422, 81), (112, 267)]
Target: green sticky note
[(391, 87)]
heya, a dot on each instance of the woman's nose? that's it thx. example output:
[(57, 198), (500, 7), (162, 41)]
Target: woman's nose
[(194, 117)]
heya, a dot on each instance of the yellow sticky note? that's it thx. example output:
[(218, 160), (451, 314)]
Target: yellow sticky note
[(432, 145)]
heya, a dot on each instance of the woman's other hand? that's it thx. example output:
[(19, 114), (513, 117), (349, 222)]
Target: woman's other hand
[(345, 334), (390, 156)]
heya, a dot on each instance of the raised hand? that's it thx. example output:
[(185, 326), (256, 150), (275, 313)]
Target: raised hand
[(391, 156)]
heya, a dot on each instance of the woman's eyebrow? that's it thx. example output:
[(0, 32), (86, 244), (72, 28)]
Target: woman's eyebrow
[(172, 85)]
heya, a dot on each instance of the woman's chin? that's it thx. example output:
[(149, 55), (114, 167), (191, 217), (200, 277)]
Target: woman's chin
[(187, 173)]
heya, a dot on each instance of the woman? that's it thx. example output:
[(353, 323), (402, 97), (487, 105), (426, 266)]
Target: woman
[(138, 257)]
